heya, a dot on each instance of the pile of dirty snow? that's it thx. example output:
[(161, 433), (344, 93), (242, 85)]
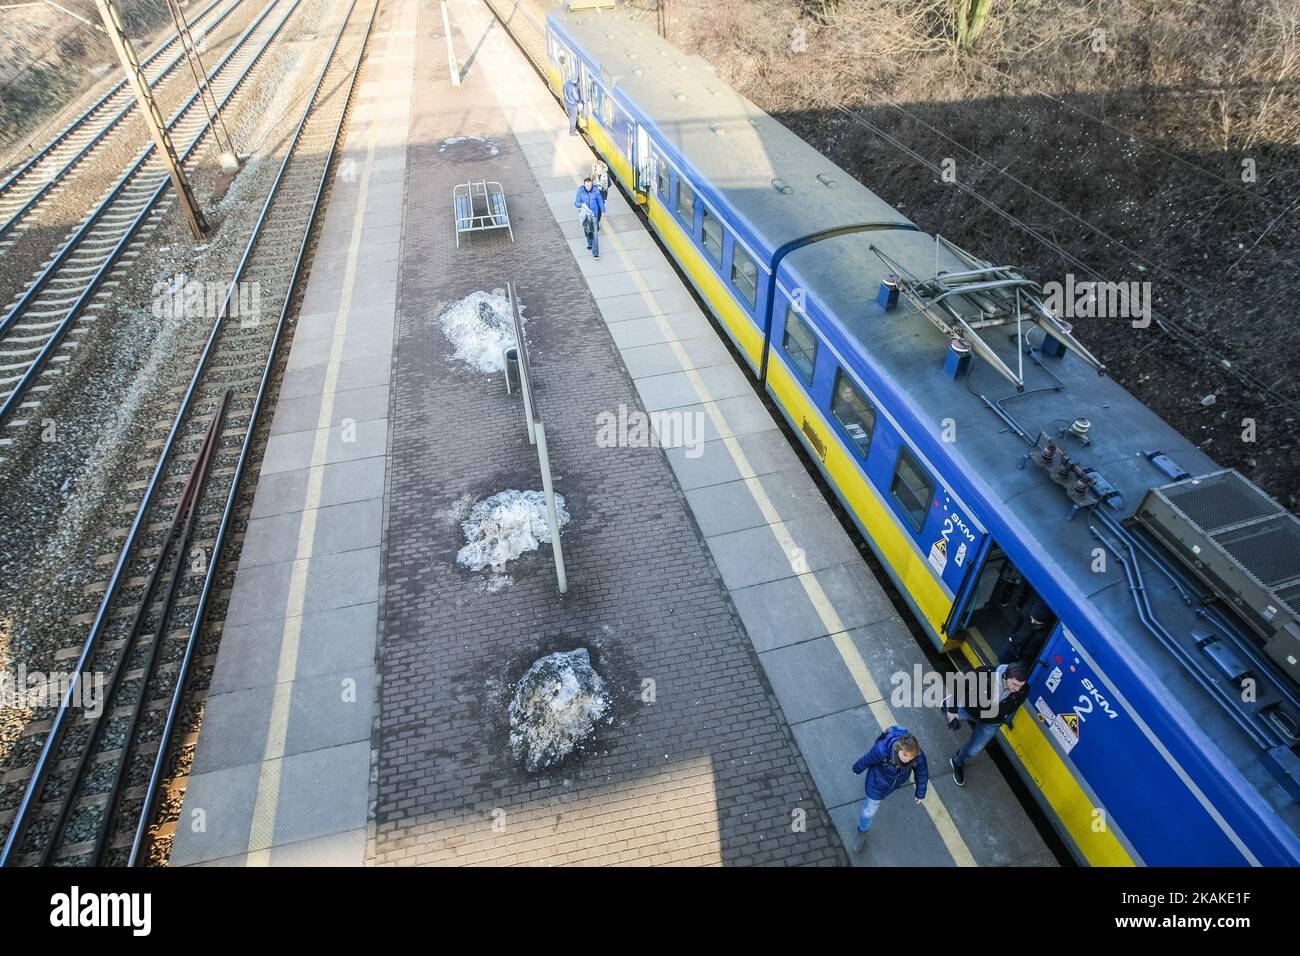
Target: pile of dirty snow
[(487, 144), (506, 525), (557, 705), (480, 328)]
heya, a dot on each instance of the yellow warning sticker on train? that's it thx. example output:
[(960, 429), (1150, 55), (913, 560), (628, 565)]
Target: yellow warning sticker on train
[(939, 555), (1065, 728)]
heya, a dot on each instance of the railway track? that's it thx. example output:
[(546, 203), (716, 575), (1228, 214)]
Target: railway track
[(38, 329), (94, 788), (33, 181)]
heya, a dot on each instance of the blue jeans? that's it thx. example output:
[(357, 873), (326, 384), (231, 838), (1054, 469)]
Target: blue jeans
[(869, 808), (979, 738), (573, 118), (593, 240)]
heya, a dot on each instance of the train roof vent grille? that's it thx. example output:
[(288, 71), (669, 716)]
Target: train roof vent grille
[(1269, 550), (1220, 501), (1290, 596)]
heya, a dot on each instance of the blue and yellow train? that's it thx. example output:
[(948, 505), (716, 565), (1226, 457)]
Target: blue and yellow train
[(988, 461)]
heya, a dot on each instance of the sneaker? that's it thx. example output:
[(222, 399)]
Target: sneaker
[(595, 257), (860, 842), (958, 773)]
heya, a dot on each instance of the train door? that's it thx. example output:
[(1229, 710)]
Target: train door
[(641, 155), (589, 91), (1000, 611)]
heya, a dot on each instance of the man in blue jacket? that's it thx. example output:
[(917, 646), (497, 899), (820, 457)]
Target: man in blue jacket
[(889, 764), (572, 103), (591, 206)]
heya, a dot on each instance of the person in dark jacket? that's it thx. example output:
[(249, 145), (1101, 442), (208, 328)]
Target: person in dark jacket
[(1005, 686), (572, 103), (591, 206), (1030, 635), (889, 764)]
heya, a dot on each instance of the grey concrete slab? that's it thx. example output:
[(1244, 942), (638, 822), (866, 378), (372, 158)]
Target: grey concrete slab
[(901, 835), (328, 710), (357, 405), (223, 802), (810, 680), (619, 308), (732, 506), (779, 612), (335, 849), (610, 224), (753, 556), (830, 745), (293, 450), (649, 330), (664, 358), (652, 278), (338, 528), (341, 481), (725, 507), (353, 373), (740, 415), (312, 803), (234, 728), (337, 640), (357, 343), (765, 451), (360, 318), (333, 580)]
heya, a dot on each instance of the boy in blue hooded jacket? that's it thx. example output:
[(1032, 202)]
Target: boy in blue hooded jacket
[(889, 764)]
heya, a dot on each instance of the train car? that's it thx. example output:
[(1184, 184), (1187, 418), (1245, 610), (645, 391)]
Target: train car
[(987, 460)]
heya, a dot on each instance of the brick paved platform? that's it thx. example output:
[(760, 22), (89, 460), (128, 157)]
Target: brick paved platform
[(707, 773), (749, 649)]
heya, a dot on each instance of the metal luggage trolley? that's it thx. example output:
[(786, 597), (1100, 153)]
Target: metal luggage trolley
[(480, 206)]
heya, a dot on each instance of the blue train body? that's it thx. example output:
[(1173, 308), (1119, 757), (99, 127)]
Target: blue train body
[(1127, 745)]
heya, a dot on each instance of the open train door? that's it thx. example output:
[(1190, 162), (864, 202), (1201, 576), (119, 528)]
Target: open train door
[(641, 163)]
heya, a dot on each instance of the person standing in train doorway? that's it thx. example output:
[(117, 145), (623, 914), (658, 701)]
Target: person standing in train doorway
[(572, 103), (591, 206), (1002, 689), (890, 763)]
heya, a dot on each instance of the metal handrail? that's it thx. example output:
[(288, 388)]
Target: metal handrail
[(537, 436)]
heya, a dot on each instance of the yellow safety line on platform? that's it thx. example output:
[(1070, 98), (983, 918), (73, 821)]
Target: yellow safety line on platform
[(262, 831)]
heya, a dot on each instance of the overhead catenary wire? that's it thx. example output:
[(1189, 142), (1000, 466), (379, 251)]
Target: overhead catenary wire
[(195, 61), (1163, 322)]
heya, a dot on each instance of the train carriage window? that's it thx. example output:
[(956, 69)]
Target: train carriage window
[(665, 177), (712, 235), (606, 109), (799, 343), (686, 205), (912, 488), (744, 275), (854, 412)]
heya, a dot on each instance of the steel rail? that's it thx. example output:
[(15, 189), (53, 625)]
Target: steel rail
[(245, 451), (63, 134), (53, 738), (56, 337), (95, 140)]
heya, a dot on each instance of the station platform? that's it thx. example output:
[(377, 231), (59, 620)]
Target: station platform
[(357, 711)]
